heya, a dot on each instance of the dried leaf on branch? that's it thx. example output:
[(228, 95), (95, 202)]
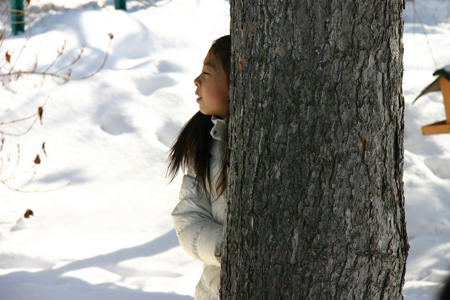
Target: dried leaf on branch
[(37, 115), (43, 149), (40, 111), (28, 213)]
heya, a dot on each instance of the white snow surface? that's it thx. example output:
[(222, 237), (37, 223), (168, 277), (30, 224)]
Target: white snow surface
[(109, 234)]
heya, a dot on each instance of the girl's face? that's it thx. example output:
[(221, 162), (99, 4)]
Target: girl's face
[(212, 88)]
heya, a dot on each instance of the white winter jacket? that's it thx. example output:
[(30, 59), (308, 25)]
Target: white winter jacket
[(199, 219)]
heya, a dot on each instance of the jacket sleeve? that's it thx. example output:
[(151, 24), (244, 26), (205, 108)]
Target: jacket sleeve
[(199, 235)]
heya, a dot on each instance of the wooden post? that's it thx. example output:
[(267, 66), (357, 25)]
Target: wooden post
[(17, 17), (442, 126), (121, 4)]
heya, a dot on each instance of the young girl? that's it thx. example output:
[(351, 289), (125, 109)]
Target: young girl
[(200, 149)]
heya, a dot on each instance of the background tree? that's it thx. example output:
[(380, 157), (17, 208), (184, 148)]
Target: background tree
[(316, 205)]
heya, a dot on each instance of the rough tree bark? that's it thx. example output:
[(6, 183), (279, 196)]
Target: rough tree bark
[(316, 205)]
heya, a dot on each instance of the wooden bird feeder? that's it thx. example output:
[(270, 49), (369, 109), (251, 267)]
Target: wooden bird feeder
[(442, 126)]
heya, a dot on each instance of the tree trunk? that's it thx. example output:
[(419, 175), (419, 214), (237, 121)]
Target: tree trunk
[(315, 189)]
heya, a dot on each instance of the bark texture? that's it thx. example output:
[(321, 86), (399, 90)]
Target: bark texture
[(315, 190)]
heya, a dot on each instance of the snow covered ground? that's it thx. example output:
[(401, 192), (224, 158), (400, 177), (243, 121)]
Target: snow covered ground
[(427, 158), (109, 234)]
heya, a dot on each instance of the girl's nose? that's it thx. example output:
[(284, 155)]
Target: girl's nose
[(197, 81)]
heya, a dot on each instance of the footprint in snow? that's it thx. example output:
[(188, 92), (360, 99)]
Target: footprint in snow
[(165, 66), (147, 86), (115, 124)]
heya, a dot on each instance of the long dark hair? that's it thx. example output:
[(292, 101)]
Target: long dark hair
[(192, 147)]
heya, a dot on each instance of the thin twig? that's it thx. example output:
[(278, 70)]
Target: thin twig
[(18, 159), (18, 120), (19, 22), (154, 5), (36, 115), (30, 180), (60, 52), (13, 177), (25, 132), (3, 36), (8, 160), (20, 53), (424, 32), (103, 64), (36, 191), (13, 222), (32, 168), (73, 62)]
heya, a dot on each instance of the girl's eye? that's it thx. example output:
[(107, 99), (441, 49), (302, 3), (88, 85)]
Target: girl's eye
[(203, 72)]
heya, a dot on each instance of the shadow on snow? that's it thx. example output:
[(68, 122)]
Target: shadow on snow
[(50, 285)]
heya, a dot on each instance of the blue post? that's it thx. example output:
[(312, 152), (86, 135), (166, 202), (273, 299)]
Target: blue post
[(17, 16), (121, 4)]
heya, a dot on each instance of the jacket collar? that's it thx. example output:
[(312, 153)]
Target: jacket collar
[(219, 130)]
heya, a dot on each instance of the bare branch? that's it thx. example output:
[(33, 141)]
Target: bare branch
[(13, 74), (74, 61), (10, 167), (9, 182), (60, 52), (36, 191)]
